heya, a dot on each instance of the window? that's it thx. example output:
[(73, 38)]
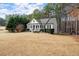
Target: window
[(46, 26), (33, 20), (33, 27), (52, 26), (36, 26), (41, 26)]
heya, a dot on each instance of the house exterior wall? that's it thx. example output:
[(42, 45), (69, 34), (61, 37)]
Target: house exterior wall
[(33, 27), (51, 21), (55, 25), (52, 24)]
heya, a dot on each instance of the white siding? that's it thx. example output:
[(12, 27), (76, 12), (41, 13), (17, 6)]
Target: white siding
[(52, 21), (51, 24)]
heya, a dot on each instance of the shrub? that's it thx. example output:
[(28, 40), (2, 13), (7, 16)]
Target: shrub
[(14, 20), (19, 28)]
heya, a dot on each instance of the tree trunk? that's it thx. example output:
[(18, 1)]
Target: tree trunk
[(76, 26), (65, 23), (58, 24)]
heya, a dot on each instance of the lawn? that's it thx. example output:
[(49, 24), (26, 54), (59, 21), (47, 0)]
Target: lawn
[(28, 43)]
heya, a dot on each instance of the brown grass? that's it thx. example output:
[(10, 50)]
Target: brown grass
[(28, 43)]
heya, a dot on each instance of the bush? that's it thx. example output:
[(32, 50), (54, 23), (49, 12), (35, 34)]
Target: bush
[(19, 28), (14, 20), (48, 30)]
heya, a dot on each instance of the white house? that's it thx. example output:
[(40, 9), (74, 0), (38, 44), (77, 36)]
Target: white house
[(38, 25), (34, 25)]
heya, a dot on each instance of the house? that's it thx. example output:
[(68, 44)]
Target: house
[(39, 25), (33, 25)]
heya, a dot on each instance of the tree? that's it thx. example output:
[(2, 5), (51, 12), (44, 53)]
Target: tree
[(15, 20), (54, 8), (29, 17), (58, 10), (2, 22), (37, 14), (48, 8)]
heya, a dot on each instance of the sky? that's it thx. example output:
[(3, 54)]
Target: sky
[(19, 8)]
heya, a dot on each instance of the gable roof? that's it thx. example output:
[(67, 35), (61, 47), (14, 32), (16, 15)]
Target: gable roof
[(34, 21), (52, 20), (43, 21)]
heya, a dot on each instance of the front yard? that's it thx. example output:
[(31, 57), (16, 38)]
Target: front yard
[(27, 43)]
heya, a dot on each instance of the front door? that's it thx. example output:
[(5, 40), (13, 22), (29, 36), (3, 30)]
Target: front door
[(33, 27)]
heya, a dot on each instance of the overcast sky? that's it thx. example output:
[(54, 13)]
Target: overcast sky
[(19, 8)]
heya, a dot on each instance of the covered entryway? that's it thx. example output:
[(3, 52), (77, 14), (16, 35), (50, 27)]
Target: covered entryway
[(35, 27)]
